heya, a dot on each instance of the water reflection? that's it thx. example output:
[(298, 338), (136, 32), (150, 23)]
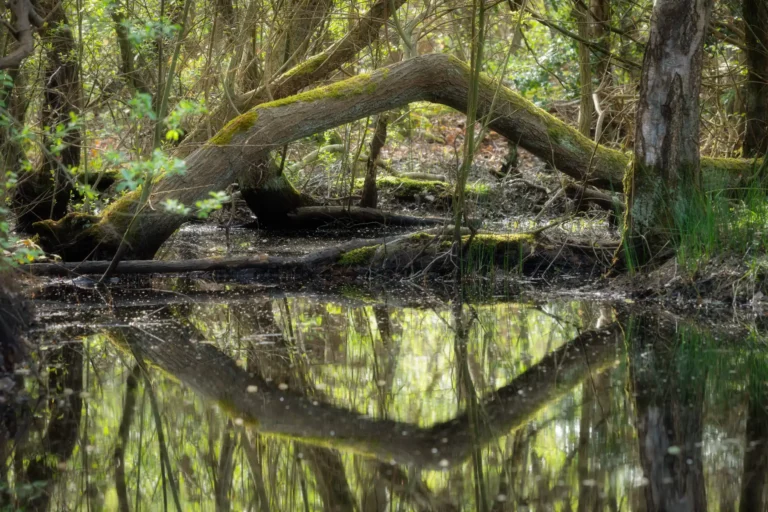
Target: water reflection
[(302, 403)]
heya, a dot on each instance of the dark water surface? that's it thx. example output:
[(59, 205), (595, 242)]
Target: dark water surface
[(249, 400)]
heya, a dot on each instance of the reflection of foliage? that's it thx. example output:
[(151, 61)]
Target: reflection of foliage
[(397, 363)]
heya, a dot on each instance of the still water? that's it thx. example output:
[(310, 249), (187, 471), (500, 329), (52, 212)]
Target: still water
[(248, 399)]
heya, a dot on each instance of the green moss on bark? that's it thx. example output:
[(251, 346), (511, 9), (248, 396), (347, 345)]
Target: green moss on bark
[(240, 124), (363, 83), (361, 256)]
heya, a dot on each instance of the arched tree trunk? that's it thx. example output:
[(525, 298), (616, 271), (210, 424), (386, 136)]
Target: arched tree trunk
[(756, 49), (232, 155), (666, 180)]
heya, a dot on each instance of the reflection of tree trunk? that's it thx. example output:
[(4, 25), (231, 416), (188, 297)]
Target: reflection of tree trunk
[(669, 395), (14, 413), (326, 464), (123, 433), (756, 443), (226, 468), (65, 382), (204, 369), (588, 490)]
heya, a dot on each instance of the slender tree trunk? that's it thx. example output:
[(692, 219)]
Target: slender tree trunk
[(583, 19), (666, 180), (756, 44), (309, 72), (44, 193), (600, 14), (370, 196)]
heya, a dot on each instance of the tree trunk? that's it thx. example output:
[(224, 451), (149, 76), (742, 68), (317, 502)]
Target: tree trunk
[(756, 49), (582, 16), (369, 195), (233, 153), (44, 193), (666, 181), (600, 14)]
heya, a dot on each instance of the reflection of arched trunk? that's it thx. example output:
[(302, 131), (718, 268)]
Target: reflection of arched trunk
[(756, 444), (209, 372), (668, 383)]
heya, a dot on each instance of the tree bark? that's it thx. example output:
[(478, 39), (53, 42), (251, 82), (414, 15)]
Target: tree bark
[(666, 179), (231, 154), (756, 49)]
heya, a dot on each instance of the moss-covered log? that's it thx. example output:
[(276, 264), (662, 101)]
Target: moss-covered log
[(484, 252), (232, 153)]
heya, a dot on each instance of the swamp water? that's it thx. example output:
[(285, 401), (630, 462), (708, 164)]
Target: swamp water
[(235, 397)]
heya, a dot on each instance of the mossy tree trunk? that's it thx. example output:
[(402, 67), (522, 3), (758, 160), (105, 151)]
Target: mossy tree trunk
[(235, 152), (756, 49), (666, 181)]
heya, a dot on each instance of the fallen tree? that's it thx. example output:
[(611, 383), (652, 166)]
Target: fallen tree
[(236, 152), (530, 253)]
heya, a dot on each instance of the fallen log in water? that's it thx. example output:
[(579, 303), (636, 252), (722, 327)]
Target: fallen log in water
[(260, 262), (529, 253)]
